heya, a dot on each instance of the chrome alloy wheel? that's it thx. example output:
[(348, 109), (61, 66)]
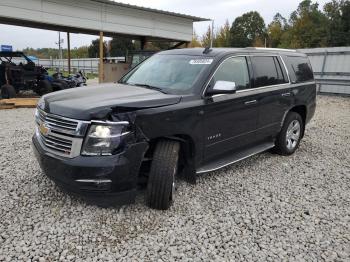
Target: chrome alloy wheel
[(293, 134)]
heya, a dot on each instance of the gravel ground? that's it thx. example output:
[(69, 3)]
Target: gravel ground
[(265, 208)]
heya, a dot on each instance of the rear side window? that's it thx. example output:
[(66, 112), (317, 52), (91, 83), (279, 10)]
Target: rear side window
[(301, 68), (267, 71), (234, 69)]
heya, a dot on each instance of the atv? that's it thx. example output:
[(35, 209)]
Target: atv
[(19, 73)]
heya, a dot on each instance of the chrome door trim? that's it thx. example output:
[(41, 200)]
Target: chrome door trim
[(252, 102), (95, 181), (259, 88), (286, 94), (285, 67)]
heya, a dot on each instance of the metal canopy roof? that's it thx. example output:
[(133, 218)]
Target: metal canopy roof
[(193, 18), (93, 16)]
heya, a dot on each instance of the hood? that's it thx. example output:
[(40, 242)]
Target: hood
[(95, 102)]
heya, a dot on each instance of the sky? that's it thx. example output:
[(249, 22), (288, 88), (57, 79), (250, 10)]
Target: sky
[(219, 10)]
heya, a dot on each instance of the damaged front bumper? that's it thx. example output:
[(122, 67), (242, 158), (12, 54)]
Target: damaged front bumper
[(104, 180)]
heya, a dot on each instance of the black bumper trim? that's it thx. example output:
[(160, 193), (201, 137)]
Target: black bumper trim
[(122, 170)]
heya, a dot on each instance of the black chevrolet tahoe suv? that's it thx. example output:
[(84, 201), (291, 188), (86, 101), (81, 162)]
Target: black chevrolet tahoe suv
[(179, 113)]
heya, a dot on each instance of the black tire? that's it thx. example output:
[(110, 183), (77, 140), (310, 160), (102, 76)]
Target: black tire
[(161, 181), (56, 86), (283, 146), (8, 91), (44, 87), (63, 83)]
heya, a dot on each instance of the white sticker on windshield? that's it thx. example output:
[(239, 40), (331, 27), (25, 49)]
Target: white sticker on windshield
[(201, 61)]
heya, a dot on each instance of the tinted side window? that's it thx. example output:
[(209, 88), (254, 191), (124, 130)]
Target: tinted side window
[(267, 71), (234, 69), (301, 68)]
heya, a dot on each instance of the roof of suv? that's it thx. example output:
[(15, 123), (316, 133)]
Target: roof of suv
[(222, 51)]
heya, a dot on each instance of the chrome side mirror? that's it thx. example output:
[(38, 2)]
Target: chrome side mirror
[(223, 87)]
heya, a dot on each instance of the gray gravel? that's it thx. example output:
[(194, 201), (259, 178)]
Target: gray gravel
[(265, 208)]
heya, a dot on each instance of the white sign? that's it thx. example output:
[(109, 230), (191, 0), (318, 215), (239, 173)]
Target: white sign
[(201, 61)]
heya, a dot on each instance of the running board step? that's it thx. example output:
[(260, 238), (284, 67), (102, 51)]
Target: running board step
[(228, 160)]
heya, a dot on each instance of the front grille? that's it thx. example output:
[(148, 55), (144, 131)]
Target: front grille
[(59, 135), (59, 145), (58, 123)]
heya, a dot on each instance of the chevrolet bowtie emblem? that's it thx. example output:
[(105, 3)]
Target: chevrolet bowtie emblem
[(44, 130)]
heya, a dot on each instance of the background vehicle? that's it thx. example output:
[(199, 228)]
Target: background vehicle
[(180, 112), (73, 80), (19, 73)]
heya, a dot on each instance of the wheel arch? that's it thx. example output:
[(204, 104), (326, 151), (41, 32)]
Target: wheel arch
[(187, 153), (301, 110)]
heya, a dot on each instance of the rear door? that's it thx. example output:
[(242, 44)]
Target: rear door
[(271, 83), (230, 120)]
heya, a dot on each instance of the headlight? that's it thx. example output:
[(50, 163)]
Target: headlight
[(41, 103), (105, 139)]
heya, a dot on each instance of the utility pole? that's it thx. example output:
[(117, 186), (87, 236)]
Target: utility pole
[(59, 46), (60, 42), (212, 34), (69, 54)]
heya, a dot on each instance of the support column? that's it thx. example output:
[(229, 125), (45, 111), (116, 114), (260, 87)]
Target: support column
[(69, 54), (101, 68), (143, 42)]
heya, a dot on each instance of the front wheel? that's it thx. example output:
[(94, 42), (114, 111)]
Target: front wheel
[(289, 138), (161, 181)]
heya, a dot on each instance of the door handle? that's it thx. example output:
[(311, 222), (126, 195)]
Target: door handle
[(252, 102), (286, 94)]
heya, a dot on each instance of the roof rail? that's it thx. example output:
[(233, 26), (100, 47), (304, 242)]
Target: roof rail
[(273, 49)]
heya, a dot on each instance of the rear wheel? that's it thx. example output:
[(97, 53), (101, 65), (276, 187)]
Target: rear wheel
[(289, 138), (8, 91), (161, 181)]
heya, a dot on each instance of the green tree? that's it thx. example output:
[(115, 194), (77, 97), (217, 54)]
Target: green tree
[(195, 41), (94, 49), (80, 52), (247, 30), (308, 27), (206, 38), (345, 10), (276, 29), (120, 46), (222, 37), (338, 15), (46, 53)]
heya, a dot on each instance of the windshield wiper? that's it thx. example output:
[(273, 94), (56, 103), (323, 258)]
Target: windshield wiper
[(149, 87)]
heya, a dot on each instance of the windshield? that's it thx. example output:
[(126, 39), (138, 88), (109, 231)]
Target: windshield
[(168, 73)]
